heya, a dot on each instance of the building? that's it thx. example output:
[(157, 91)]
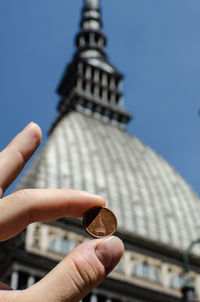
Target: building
[(89, 149)]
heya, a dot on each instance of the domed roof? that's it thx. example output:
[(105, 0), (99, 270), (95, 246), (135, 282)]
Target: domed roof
[(148, 197)]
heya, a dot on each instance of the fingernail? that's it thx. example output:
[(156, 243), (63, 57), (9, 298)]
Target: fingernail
[(29, 125), (109, 252), (99, 197), (94, 195)]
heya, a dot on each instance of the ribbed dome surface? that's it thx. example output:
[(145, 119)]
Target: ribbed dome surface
[(148, 197)]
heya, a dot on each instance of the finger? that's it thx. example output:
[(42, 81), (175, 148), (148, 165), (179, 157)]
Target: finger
[(79, 272), (26, 206), (17, 153)]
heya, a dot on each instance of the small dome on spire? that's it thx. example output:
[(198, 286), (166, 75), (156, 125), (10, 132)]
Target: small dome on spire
[(92, 4)]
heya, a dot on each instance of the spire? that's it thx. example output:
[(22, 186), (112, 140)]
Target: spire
[(91, 35), (92, 4), (90, 83)]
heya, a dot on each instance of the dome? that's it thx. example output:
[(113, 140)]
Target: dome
[(149, 198)]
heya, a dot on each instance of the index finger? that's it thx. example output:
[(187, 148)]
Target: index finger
[(26, 206), (17, 153)]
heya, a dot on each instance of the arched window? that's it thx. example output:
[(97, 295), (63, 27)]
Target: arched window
[(177, 281), (146, 271), (61, 245)]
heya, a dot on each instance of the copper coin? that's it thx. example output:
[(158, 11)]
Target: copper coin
[(100, 222)]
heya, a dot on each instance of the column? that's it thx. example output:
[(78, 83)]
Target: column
[(29, 236), (121, 102), (93, 298), (101, 42), (88, 72), (104, 79), (31, 281), (105, 94), (44, 239), (128, 262), (96, 75), (80, 83), (197, 285), (14, 280), (92, 38), (88, 87), (82, 41), (112, 83), (80, 68), (165, 275), (113, 98)]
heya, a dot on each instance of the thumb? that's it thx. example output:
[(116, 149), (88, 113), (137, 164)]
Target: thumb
[(78, 273)]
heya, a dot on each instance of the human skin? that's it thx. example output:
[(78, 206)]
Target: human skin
[(87, 265)]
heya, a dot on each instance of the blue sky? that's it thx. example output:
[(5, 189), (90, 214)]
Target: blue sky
[(154, 43)]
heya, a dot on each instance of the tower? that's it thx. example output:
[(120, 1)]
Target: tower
[(90, 83), (89, 149)]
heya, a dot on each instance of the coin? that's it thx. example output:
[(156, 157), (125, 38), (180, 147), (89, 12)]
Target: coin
[(99, 222)]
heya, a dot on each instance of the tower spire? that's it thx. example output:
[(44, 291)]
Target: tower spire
[(92, 4), (90, 83), (90, 35)]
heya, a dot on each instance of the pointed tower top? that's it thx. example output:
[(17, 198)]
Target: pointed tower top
[(92, 4), (91, 29), (91, 84)]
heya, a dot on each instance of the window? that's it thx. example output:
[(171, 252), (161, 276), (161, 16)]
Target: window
[(146, 271), (61, 245), (177, 281)]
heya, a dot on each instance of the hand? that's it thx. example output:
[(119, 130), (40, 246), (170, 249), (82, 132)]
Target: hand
[(87, 265)]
